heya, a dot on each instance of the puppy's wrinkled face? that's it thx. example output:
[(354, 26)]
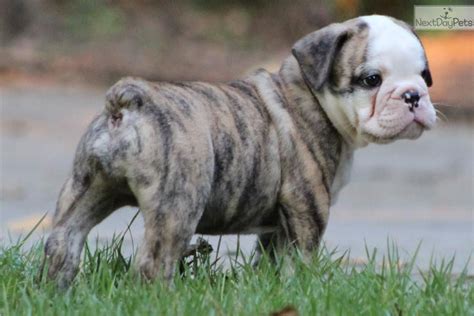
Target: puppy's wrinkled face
[(395, 78), (374, 83)]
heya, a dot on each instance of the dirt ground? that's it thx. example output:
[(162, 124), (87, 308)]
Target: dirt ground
[(409, 192)]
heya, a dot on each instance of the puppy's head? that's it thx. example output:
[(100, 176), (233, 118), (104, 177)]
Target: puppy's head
[(371, 76)]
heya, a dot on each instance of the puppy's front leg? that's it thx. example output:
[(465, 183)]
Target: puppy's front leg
[(304, 214), (270, 244)]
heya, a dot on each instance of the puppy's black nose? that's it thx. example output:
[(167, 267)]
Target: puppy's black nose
[(412, 98)]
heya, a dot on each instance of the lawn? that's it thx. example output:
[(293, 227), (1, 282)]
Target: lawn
[(326, 286)]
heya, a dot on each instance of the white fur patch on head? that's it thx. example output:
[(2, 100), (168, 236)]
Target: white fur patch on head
[(392, 47)]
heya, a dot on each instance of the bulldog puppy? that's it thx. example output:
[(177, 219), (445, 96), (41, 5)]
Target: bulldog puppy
[(266, 154)]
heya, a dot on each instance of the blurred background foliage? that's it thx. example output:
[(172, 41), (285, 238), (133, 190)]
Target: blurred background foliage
[(99, 41)]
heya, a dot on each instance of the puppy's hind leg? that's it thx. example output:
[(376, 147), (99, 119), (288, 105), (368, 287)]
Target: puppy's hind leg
[(170, 222), (80, 207), (89, 195)]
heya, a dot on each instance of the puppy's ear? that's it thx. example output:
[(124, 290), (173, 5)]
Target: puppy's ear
[(317, 51)]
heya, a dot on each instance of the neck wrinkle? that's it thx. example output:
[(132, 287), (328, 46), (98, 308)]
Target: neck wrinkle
[(345, 129), (316, 129)]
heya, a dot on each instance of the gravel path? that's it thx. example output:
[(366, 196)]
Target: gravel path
[(409, 192)]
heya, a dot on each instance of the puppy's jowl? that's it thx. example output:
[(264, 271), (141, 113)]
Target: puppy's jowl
[(266, 154)]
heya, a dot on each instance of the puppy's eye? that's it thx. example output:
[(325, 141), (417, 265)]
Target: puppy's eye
[(372, 81), (426, 75)]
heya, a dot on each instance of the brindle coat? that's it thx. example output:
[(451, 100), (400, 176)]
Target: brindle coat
[(254, 155)]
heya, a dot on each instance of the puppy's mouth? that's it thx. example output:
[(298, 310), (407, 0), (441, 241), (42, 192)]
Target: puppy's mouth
[(398, 120), (411, 131)]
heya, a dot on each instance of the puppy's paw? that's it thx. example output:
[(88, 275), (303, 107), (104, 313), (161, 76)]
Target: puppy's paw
[(60, 265)]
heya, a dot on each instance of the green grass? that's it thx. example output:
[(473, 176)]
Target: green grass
[(326, 286)]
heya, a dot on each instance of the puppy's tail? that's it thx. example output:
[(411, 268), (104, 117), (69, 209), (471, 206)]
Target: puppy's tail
[(130, 93)]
